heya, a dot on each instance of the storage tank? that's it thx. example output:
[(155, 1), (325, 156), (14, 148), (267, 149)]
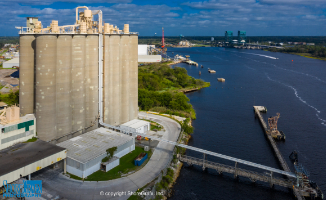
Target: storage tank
[(91, 73), (77, 82), (26, 74), (63, 85), (133, 77), (45, 90), (124, 78)]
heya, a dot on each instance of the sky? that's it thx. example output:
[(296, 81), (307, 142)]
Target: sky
[(189, 18)]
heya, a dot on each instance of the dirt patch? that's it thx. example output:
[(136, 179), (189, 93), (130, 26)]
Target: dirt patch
[(6, 79)]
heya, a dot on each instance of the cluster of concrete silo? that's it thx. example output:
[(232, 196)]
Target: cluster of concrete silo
[(59, 81), (59, 75)]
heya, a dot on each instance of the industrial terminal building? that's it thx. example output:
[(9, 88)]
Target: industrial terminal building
[(85, 152), (60, 75)]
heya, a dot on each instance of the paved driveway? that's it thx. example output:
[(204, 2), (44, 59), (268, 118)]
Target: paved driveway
[(56, 185)]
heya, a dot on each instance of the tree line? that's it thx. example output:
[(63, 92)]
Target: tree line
[(316, 51)]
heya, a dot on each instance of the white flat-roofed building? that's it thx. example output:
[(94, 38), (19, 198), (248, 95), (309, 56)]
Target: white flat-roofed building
[(85, 152), (149, 58), (143, 49), (11, 63), (136, 125)]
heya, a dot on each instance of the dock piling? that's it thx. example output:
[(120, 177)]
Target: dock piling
[(271, 181), (204, 162), (236, 170)]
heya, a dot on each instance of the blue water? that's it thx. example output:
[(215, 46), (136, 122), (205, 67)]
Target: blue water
[(226, 124)]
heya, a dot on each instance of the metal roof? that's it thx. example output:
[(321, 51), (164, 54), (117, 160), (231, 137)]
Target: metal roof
[(24, 154), (90, 145)]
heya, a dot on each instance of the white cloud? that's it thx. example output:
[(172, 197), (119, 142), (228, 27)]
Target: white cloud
[(210, 17), (49, 2)]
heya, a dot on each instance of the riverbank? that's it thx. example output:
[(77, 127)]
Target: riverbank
[(314, 52), (308, 55)]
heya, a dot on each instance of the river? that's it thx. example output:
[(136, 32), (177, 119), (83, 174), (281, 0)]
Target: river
[(226, 124)]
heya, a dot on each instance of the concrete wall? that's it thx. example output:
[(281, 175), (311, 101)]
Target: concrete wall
[(112, 165), (149, 58)]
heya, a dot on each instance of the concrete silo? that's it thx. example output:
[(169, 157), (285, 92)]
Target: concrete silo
[(45, 89), (63, 85), (91, 78), (124, 78), (77, 82), (133, 77), (112, 98), (26, 74)]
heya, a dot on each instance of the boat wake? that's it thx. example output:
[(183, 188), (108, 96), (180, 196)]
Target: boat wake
[(315, 77), (303, 101), (290, 70), (260, 55)]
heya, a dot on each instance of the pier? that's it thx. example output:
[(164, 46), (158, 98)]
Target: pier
[(190, 62), (277, 152), (271, 140)]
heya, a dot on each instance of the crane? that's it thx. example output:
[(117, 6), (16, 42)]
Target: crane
[(272, 123), (163, 38)]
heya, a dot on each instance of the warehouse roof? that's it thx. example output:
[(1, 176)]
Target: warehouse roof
[(135, 123), (23, 154), (90, 145)]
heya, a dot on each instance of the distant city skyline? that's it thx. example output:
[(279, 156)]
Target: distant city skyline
[(189, 18)]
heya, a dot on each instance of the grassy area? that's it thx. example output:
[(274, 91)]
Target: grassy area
[(4, 52), (309, 55), (33, 139), (126, 165), (74, 177), (202, 45)]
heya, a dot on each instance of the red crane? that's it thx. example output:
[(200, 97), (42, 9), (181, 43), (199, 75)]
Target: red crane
[(163, 38)]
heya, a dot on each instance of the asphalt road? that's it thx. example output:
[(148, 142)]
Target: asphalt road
[(58, 186)]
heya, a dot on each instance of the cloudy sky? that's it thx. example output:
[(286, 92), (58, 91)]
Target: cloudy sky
[(189, 18)]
